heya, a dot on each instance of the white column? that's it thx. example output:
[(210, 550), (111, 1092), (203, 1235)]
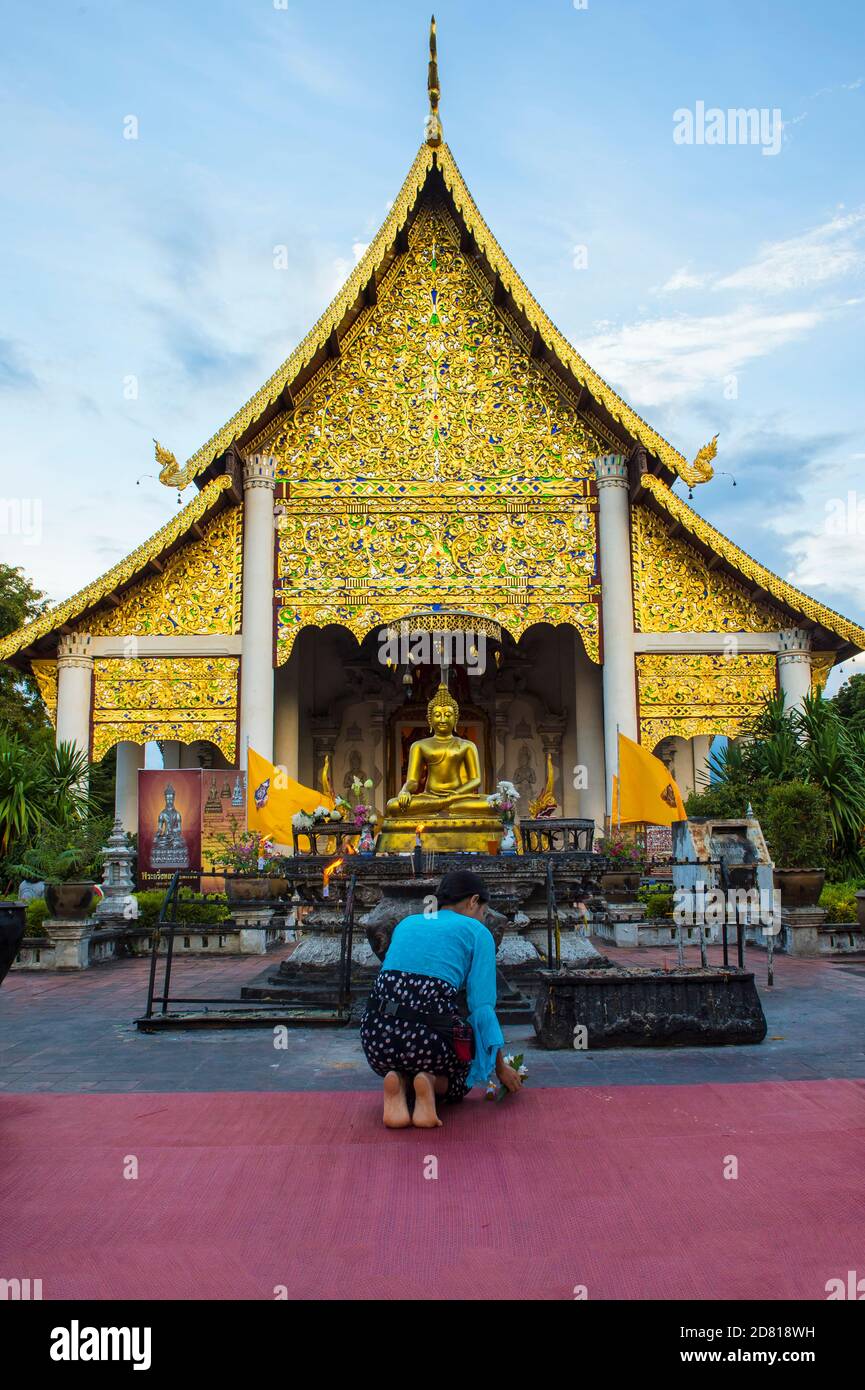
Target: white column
[(794, 666), (617, 606), (74, 691), (590, 736), (130, 757), (256, 665)]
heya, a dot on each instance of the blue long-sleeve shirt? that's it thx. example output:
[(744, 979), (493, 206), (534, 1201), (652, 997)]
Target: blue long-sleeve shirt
[(450, 946)]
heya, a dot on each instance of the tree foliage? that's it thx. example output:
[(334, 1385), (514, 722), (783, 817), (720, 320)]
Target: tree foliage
[(22, 711), (818, 745)]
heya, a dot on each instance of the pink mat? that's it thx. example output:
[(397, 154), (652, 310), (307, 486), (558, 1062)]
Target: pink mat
[(621, 1190)]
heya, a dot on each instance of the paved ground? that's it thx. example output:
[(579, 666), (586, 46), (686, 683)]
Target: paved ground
[(75, 1033)]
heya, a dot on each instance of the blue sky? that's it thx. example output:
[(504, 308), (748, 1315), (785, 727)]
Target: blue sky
[(263, 125)]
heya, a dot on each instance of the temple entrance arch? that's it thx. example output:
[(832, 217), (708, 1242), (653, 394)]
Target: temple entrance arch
[(538, 697)]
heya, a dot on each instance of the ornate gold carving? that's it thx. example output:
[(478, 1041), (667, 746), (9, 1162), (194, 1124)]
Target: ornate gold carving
[(426, 160), (168, 464), (45, 673), (517, 569), (752, 569), (688, 693), (147, 698), (197, 593), (434, 390), (821, 666), (675, 591), (121, 573), (475, 473)]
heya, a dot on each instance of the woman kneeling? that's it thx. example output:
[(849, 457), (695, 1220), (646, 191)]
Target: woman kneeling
[(411, 1032)]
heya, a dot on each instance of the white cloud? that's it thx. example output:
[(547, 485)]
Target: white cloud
[(823, 528), (828, 252), (682, 279), (656, 361)]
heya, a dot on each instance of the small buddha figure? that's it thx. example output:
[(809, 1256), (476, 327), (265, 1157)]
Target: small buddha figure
[(169, 846), (452, 809)]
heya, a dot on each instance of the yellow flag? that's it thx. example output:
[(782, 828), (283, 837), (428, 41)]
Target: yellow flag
[(273, 798), (646, 791)]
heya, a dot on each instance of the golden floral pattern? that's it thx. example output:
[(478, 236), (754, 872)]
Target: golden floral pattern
[(147, 698), (362, 570), (434, 387), (197, 593), (435, 462), (750, 568), (675, 591), (688, 693), (45, 673)]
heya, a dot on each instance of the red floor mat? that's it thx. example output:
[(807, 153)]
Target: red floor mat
[(620, 1190)]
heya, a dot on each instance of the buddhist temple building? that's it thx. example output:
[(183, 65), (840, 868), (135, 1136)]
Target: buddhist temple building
[(435, 451)]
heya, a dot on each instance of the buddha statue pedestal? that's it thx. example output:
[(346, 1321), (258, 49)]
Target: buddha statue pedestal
[(451, 813)]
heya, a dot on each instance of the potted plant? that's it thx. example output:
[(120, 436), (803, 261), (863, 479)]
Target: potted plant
[(68, 859), (621, 883), (796, 826), (504, 802), (252, 866)]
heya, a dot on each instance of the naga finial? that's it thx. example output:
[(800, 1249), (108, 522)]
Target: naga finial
[(433, 123)]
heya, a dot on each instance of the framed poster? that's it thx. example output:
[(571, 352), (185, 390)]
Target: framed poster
[(169, 826)]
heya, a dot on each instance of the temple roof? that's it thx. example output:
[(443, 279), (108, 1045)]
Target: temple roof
[(434, 171), (213, 496), (215, 467), (750, 570)]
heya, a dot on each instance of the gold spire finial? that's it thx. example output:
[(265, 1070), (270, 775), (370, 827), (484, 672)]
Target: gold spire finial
[(433, 123)]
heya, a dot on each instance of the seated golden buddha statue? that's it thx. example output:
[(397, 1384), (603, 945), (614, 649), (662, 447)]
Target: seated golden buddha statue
[(452, 809)]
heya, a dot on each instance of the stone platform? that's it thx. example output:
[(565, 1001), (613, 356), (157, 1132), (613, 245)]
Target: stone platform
[(387, 889)]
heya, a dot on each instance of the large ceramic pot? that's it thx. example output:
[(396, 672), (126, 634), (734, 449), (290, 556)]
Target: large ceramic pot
[(800, 887), (12, 923), (620, 886), (70, 901), (248, 888)]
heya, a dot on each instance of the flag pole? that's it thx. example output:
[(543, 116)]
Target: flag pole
[(619, 777)]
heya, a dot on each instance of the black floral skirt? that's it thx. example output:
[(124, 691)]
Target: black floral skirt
[(390, 1044)]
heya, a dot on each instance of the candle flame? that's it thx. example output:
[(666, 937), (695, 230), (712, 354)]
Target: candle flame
[(330, 870), (419, 829)]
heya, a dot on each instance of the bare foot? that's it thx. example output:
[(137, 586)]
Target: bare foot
[(425, 1116), (396, 1114)]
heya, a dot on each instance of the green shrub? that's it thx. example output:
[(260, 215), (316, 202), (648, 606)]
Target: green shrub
[(35, 914), (658, 900), (193, 909), (839, 900), (796, 825)]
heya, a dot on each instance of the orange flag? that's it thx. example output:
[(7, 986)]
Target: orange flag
[(644, 791), (273, 798)]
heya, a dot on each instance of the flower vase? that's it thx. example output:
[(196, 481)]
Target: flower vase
[(366, 842), (509, 839)]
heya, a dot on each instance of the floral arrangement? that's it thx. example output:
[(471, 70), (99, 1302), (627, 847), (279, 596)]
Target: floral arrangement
[(247, 853), (322, 815), (362, 812), (623, 852), (495, 1091), (504, 800)]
